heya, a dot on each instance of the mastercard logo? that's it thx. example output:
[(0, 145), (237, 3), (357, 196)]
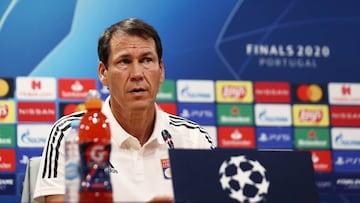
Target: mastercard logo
[(309, 93), (4, 88)]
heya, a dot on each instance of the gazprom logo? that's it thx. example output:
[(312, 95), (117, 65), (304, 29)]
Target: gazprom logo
[(195, 91), (264, 116), (32, 135), (345, 138), (273, 114), (187, 93)]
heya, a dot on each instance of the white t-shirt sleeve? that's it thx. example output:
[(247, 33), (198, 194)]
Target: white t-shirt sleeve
[(51, 175)]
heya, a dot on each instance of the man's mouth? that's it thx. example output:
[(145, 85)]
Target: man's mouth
[(136, 90)]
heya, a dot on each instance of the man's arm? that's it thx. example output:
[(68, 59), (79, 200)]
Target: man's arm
[(54, 198)]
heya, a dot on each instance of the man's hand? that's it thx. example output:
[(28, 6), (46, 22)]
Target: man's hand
[(162, 199)]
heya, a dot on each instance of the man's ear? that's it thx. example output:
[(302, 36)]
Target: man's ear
[(102, 73), (162, 74)]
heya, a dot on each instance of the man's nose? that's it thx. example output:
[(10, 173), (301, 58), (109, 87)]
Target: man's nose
[(137, 71)]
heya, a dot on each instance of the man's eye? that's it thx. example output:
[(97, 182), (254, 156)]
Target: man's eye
[(147, 60), (125, 61)]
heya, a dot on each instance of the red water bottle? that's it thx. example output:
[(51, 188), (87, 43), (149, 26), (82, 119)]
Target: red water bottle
[(94, 147)]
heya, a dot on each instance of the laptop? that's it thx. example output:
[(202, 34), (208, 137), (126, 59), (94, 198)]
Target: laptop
[(240, 175)]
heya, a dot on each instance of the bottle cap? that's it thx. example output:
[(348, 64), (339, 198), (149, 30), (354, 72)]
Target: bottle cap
[(93, 100), (92, 94)]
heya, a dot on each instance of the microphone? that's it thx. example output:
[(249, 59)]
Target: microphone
[(167, 138)]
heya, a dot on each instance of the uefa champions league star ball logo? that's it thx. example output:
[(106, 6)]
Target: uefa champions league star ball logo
[(244, 179)]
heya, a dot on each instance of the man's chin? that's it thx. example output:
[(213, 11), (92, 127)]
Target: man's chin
[(140, 106)]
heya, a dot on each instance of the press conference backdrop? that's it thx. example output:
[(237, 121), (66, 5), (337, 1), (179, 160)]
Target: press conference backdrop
[(260, 74)]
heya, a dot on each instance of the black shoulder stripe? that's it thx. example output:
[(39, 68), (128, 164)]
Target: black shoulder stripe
[(183, 124), (58, 146), (188, 123), (178, 121), (55, 140)]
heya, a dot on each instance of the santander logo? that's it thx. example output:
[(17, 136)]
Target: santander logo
[(234, 91), (310, 115)]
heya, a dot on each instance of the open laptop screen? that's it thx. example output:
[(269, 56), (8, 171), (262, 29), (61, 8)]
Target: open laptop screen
[(238, 175)]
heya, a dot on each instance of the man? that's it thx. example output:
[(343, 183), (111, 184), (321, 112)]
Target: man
[(131, 66)]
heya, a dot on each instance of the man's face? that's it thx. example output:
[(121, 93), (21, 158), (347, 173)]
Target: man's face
[(134, 72)]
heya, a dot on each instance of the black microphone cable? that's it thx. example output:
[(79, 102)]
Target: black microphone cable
[(167, 138)]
